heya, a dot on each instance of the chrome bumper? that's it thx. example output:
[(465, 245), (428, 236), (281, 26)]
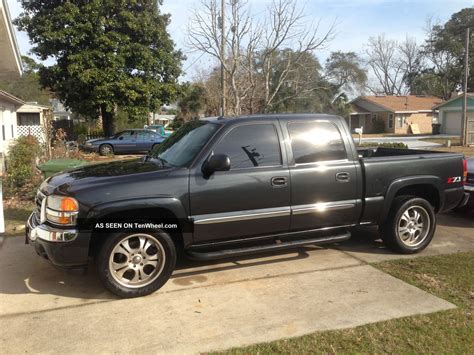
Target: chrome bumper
[(50, 234), (469, 188)]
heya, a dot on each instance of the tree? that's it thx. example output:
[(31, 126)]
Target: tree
[(193, 101), (345, 71), (253, 49), (444, 51), (108, 54), (27, 87)]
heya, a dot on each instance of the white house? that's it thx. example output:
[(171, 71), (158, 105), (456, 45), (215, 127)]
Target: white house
[(9, 105), (10, 57)]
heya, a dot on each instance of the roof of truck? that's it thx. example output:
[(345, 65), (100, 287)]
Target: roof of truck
[(271, 116)]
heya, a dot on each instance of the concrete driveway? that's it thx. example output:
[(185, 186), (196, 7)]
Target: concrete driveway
[(211, 306)]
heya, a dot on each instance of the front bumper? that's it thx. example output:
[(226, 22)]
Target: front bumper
[(66, 248)]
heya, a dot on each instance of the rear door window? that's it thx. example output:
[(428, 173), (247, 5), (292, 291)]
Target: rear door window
[(312, 142)]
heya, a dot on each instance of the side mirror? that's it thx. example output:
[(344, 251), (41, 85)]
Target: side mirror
[(120, 138), (216, 162)]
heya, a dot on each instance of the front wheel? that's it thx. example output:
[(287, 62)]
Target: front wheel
[(136, 264), (410, 225), (106, 149)]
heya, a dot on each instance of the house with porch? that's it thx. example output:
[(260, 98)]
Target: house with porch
[(410, 114), (19, 118)]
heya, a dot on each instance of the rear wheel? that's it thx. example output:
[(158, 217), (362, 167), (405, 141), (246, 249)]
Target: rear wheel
[(106, 149), (410, 225), (136, 264)]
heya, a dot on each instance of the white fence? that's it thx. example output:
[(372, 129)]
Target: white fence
[(36, 131)]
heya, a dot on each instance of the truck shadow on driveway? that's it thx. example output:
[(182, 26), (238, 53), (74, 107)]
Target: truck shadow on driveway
[(22, 272)]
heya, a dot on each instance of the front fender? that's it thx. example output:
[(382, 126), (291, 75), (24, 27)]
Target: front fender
[(171, 204), (398, 184)]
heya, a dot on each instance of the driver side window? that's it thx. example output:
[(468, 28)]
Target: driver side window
[(252, 145)]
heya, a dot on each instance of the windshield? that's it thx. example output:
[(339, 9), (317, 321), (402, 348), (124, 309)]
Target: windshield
[(183, 146)]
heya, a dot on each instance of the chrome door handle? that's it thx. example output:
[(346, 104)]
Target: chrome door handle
[(343, 177), (279, 181)]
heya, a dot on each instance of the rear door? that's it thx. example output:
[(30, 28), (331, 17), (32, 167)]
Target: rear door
[(250, 199), (324, 186), (146, 140)]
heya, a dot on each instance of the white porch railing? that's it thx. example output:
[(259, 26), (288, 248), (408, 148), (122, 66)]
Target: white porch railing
[(36, 131)]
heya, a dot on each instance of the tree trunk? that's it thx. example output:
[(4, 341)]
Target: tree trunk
[(108, 121)]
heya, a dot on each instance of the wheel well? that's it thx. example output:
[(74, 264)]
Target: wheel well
[(142, 215), (425, 191)]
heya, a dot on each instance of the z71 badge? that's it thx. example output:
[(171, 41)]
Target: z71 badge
[(454, 179)]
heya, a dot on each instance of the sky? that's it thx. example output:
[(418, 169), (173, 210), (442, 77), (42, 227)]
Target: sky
[(356, 21)]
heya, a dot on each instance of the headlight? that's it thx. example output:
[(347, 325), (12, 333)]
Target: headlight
[(88, 144), (61, 210)]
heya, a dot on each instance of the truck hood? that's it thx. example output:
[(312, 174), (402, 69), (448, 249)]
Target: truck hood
[(94, 175)]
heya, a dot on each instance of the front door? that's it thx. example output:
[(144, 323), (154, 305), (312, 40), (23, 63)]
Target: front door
[(323, 176), (251, 198), (126, 142)]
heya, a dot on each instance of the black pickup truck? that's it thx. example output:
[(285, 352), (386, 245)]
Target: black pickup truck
[(225, 187)]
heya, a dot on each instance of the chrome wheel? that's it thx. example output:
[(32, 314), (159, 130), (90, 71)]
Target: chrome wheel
[(137, 260), (413, 226)]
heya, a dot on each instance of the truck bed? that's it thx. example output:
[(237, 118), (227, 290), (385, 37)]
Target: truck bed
[(384, 167)]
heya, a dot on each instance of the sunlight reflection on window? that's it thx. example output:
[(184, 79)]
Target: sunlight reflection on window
[(318, 136)]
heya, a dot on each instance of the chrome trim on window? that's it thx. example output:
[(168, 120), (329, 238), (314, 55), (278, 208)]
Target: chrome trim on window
[(241, 215)]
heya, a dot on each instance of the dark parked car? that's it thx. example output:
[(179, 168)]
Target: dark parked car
[(239, 186), (128, 141)]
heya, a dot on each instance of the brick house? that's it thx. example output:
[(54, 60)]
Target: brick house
[(393, 114)]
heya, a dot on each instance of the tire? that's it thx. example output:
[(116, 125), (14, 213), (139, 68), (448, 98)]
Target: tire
[(410, 225), (125, 265), (106, 149)]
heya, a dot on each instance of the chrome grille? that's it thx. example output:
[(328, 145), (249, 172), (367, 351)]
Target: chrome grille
[(38, 201)]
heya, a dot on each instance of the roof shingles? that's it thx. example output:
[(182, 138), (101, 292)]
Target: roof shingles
[(403, 103)]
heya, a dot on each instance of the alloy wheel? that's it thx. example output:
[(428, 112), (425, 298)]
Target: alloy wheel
[(137, 260), (413, 226)]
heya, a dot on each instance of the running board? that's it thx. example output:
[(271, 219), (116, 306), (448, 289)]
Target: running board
[(282, 245)]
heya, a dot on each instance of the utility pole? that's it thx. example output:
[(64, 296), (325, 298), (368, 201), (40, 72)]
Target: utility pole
[(222, 58), (464, 99)]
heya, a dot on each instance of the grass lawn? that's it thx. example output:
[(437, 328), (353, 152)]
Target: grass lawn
[(448, 276)]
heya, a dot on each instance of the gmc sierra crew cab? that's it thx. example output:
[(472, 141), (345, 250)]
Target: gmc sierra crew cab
[(236, 186)]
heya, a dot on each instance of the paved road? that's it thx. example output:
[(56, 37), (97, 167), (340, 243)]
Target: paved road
[(414, 142), (210, 306)]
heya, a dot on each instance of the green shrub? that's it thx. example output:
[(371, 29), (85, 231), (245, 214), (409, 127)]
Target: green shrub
[(384, 145), (21, 161), (81, 138), (80, 128)]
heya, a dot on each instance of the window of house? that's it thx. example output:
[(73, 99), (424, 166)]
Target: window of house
[(400, 120), (316, 141), (28, 119), (249, 146), (374, 117), (390, 120)]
